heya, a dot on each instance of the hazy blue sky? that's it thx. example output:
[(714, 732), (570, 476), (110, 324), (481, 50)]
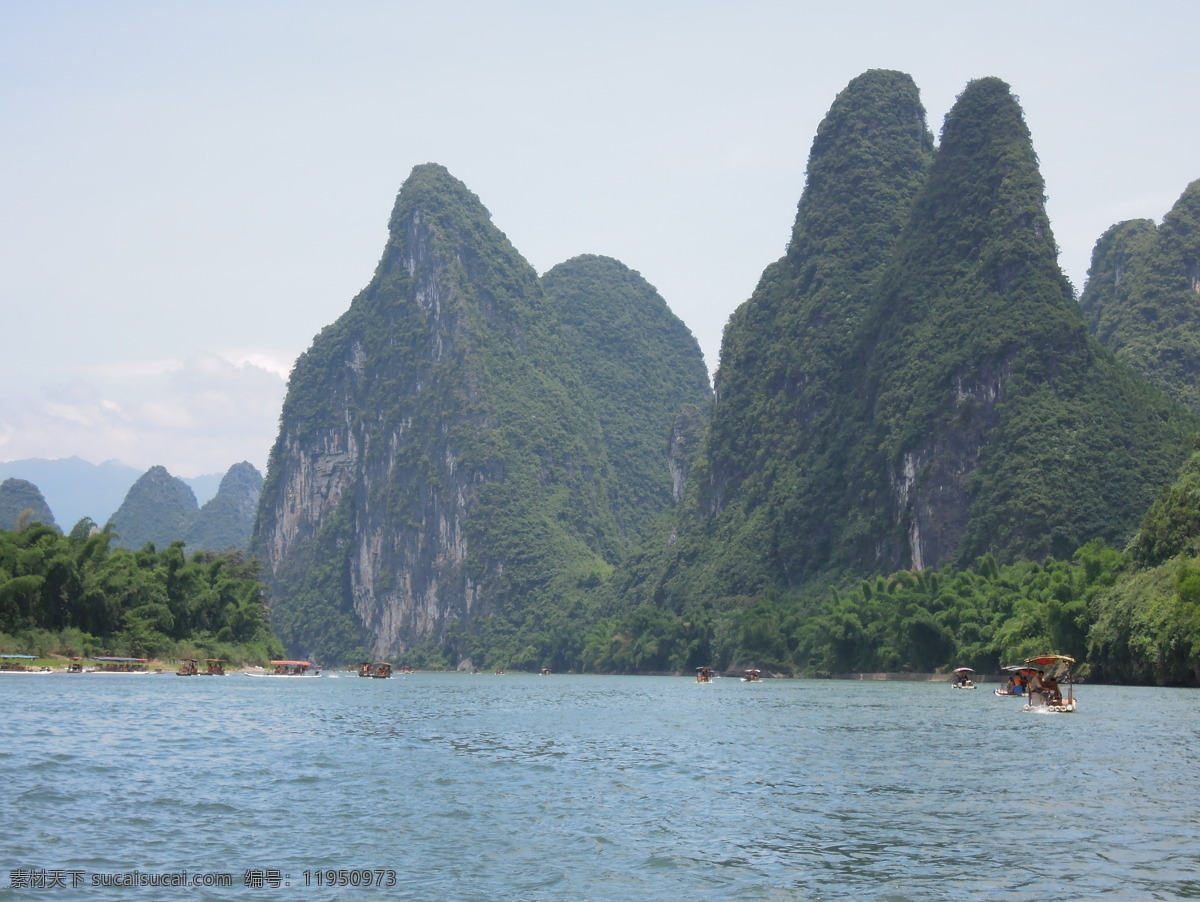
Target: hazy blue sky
[(189, 192)]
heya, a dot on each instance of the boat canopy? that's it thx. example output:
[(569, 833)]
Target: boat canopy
[(964, 669), (1047, 660), (294, 663), (1021, 669)]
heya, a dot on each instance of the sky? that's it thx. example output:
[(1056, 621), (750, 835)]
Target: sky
[(191, 191)]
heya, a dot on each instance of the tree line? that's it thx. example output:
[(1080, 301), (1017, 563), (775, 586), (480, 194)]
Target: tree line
[(76, 595)]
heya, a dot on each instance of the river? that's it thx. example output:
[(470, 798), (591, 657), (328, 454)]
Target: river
[(563, 787)]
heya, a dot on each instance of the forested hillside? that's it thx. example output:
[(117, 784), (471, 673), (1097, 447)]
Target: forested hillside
[(444, 482), (1142, 298), (157, 508), (639, 364), (769, 501), (933, 405), (916, 452), (21, 501), (913, 384), (226, 521), (1000, 427)]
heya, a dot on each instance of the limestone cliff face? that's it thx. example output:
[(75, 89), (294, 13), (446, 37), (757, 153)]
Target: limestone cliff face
[(932, 487), (436, 464), (686, 432)]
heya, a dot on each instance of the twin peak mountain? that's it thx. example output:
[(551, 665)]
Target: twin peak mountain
[(473, 456)]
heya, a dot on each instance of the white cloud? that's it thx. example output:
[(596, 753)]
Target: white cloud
[(273, 362), (197, 415)]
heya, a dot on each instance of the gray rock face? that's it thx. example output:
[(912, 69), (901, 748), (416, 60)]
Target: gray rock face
[(422, 431), (469, 447)]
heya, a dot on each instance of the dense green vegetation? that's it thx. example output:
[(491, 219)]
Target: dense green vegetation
[(924, 621), (77, 595), (1128, 616), (1124, 623), (486, 446), (639, 366), (1011, 432), (1141, 297), (474, 464), (770, 480), (913, 385)]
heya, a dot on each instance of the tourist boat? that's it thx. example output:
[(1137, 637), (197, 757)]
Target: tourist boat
[(406, 668), (546, 671), (16, 664), (289, 669), (381, 670), (114, 664), (1044, 691), (704, 674), (1018, 679), (187, 667), (214, 667), (752, 676), (962, 678)]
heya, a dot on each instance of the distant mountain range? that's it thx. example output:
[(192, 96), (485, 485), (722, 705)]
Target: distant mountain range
[(153, 507), (162, 509), (75, 488)]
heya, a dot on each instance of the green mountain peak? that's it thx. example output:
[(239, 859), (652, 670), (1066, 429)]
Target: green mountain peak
[(445, 471), (1141, 297)]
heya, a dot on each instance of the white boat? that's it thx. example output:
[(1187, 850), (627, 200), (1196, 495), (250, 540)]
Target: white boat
[(962, 678), (290, 670)]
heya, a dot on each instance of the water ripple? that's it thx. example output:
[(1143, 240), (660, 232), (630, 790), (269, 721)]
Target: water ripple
[(480, 787)]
